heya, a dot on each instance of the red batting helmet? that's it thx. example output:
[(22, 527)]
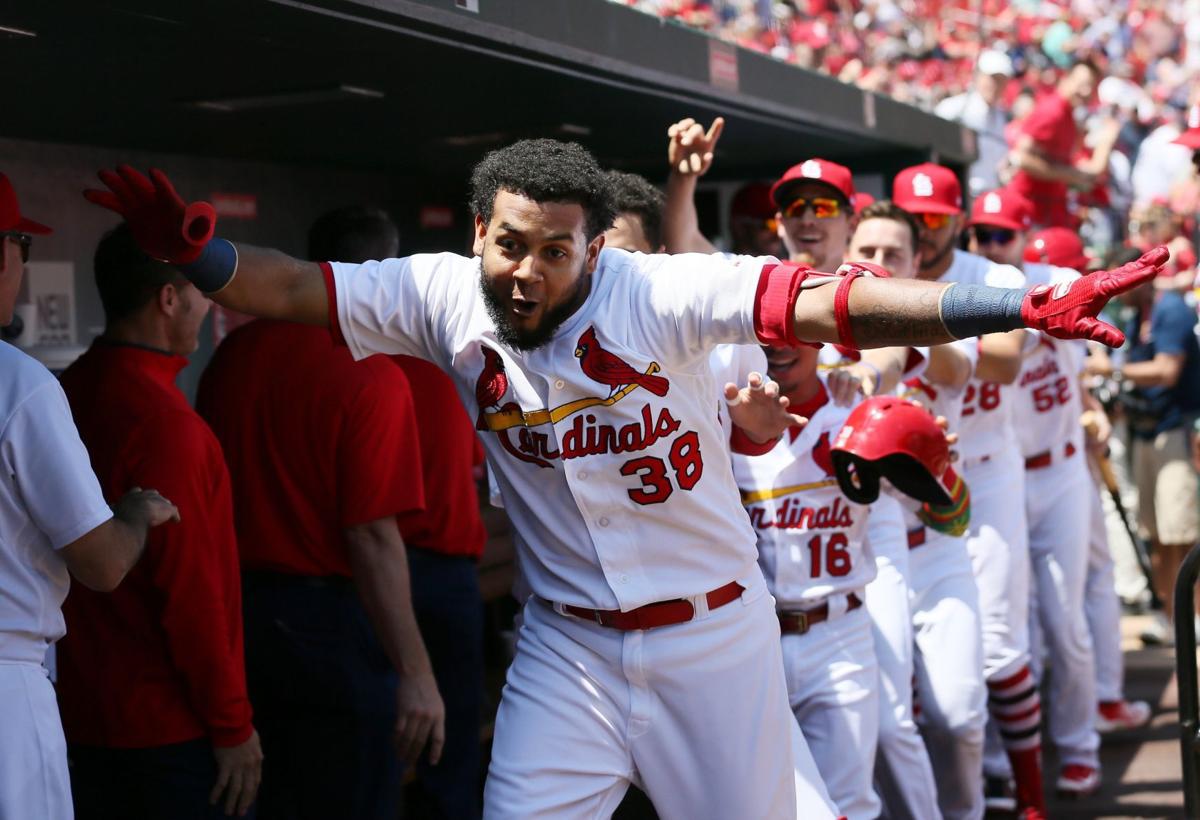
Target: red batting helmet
[(897, 439)]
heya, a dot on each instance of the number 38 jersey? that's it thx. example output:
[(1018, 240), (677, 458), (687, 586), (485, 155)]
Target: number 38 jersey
[(1047, 391), (812, 541)]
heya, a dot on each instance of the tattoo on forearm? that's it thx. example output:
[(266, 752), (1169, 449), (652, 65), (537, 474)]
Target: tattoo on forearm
[(906, 313)]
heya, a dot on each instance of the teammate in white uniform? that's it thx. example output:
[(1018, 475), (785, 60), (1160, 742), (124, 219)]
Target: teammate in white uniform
[(924, 595), (813, 549), (992, 467), (649, 651), (54, 524), (1058, 498)]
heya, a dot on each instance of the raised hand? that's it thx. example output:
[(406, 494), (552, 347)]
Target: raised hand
[(690, 147), (759, 410), (164, 226), (1068, 310), (147, 506)]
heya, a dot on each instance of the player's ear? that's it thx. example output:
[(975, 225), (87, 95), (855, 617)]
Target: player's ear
[(779, 230), (480, 235), (593, 252)]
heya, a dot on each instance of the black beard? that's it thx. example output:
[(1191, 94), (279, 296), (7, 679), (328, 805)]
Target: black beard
[(525, 341)]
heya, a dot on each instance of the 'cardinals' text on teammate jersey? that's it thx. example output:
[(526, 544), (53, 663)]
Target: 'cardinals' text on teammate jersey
[(1047, 391), (811, 538), (604, 441), (986, 406)]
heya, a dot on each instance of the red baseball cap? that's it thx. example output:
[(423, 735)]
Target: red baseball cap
[(835, 176), (10, 212), (1191, 137), (1057, 246), (1002, 208), (861, 200), (753, 200), (927, 189)]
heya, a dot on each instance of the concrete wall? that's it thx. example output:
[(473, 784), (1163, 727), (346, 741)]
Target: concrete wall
[(49, 177)]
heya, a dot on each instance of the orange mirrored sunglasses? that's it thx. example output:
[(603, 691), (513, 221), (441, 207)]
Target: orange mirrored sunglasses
[(823, 207), (935, 222)]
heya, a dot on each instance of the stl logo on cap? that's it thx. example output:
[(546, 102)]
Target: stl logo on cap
[(992, 204), (811, 169), (922, 185)]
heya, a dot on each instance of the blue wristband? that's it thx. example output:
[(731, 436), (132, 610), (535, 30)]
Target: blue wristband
[(973, 310), (215, 267)]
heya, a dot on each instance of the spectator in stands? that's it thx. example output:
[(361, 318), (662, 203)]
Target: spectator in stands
[(54, 524), (638, 226), (324, 456), (981, 110), (1162, 368), (152, 680), (1046, 148)]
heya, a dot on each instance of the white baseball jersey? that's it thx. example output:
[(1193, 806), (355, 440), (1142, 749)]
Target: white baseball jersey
[(812, 540), (49, 497), (987, 406), (619, 481), (1047, 391)]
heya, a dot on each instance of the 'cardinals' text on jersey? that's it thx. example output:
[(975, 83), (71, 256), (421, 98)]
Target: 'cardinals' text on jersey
[(811, 538)]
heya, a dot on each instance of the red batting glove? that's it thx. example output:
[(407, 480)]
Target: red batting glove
[(163, 225), (1068, 310)]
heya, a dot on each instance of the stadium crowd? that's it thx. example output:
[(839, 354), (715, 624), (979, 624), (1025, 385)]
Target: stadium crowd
[(276, 609)]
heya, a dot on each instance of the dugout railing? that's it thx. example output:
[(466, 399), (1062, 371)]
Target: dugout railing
[(1185, 669)]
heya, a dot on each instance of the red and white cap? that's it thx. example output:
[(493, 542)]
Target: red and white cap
[(835, 176), (1191, 137), (10, 212), (1002, 208), (927, 189), (1057, 246)]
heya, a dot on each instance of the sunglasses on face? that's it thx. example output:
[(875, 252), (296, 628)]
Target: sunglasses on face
[(822, 207), (993, 236), (22, 239), (934, 222)]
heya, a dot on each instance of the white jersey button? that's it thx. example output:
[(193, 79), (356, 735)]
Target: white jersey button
[(603, 522), (559, 384), (582, 475), (624, 579)]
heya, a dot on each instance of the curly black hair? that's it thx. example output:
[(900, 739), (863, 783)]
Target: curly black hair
[(634, 194), (545, 170)]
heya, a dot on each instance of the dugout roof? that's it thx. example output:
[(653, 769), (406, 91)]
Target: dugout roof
[(423, 87)]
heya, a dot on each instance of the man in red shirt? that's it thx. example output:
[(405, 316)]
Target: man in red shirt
[(152, 683), (1047, 144), (324, 456), (444, 541)]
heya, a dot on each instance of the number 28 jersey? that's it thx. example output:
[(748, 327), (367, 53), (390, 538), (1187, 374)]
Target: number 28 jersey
[(812, 540)]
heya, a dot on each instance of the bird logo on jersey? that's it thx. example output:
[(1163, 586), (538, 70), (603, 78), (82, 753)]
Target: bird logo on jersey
[(612, 370), (493, 381)]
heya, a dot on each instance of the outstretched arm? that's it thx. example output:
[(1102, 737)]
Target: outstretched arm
[(867, 312), (252, 280)]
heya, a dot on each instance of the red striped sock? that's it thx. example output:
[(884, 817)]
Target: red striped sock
[(1016, 707)]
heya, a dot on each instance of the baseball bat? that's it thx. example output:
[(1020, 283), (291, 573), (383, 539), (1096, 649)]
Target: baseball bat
[(1139, 547)]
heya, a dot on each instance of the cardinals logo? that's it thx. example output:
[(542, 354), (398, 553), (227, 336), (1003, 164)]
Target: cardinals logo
[(492, 383), (604, 367)]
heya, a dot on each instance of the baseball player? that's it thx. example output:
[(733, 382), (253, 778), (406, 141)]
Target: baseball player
[(993, 469), (813, 549), (1058, 491), (1062, 248), (54, 526), (925, 594), (649, 651)]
